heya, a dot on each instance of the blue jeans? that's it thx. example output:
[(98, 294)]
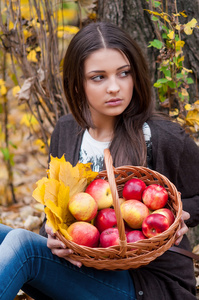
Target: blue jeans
[(26, 263)]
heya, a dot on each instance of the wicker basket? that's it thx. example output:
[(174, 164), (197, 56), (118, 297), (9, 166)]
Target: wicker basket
[(132, 255)]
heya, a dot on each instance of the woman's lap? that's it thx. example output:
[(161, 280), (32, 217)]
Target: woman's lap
[(24, 257)]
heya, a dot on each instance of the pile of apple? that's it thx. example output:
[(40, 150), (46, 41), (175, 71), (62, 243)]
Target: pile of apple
[(142, 207)]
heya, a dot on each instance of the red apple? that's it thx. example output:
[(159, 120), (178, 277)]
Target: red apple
[(83, 207), (134, 236), (154, 224), (127, 228), (133, 189), (109, 237), (99, 189), (84, 234), (105, 218), (134, 212), (167, 213), (155, 196)]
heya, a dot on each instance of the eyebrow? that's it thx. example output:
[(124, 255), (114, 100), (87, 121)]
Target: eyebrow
[(102, 71)]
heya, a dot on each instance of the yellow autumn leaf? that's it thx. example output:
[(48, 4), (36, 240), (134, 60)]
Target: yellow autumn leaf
[(86, 171), (171, 34), (68, 174), (67, 29), (63, 230), (32, 56), (79, 187), (63, 196), (39, 192), (188, 107), (184, 92), (52, 220), (179, 45), (65, 15), (41, 145), (183, 14), (3, 90), (35, 23), (55, 191), (54, 167), (38, 49), (174, 112), (11, 25), (29, 120), (26, 33), (186, 70), (56, 210), (192, 117), (180, 59), (180, 121), (15, 90), (196, 104), (2, 82), (51, 190), (188, 28), (153, 12)]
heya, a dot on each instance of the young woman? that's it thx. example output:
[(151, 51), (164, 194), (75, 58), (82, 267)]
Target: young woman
[(108, 90)]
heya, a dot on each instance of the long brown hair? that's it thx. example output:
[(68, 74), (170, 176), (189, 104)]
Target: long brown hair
[(128, 145)]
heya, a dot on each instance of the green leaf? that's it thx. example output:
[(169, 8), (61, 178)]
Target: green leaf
[(157, 3), (157, 85), (190, 80), (14, 79), (156, 44), (171, 84), (6, 153), (162, 80), (13, 145), (154, 19), (179, 76), (164, 35), (166, 71), (165, 28)]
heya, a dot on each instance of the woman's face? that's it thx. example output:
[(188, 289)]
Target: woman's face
[(108, 83)]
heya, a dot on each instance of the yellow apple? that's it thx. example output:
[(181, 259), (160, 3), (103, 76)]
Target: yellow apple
[(83, 207)]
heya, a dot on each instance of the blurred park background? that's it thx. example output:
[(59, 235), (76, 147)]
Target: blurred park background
[(34, 35)]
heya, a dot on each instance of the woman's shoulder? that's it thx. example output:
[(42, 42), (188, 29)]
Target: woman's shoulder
[(167, 128), (67, 119), (66, 126)]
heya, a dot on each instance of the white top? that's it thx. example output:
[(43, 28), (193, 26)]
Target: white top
[(93, 151)]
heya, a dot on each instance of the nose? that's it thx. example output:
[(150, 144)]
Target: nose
[(113, 86)]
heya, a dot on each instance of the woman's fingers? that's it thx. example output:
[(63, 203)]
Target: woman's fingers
[(59, 248), (184, 229)]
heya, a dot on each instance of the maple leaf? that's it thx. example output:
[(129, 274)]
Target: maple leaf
[(55, 191), (188, 28)]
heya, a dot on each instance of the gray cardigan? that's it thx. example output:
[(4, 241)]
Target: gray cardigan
[(171, 276)]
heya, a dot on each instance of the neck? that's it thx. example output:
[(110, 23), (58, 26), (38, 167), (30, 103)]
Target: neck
[(104, 130)]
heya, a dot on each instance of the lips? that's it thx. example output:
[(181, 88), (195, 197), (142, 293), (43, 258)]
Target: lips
[(114, 101)]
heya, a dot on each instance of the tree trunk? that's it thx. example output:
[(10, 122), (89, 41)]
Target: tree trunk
[(132, 16)]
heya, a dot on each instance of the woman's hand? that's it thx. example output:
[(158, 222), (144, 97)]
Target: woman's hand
[(183, 230), (59, 248)]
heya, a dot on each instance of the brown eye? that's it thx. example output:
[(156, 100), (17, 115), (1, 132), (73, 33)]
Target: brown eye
[(97, 78)]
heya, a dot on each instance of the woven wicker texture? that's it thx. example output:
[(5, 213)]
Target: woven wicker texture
[(132, 255)]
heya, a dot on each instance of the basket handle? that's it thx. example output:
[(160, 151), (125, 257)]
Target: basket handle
[(120, 223)]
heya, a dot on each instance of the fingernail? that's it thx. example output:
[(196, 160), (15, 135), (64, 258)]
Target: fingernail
[(63, 245)]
